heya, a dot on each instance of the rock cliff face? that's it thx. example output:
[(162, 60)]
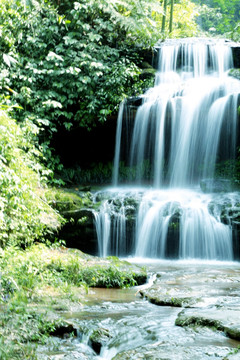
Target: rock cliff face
[(77, 208), (236, 56)]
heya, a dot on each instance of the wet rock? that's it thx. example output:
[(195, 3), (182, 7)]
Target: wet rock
[(64, 329), (76, 207), (195, 289), (222, 319), (79, 230), (169, 296), (163, 351), (135, 101), (236, 56), (227, 208), (99, 338), (235, 72)]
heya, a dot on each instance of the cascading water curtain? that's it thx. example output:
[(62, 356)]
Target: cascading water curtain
[(184, 124)]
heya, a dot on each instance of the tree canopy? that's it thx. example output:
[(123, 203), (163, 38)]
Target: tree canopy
[(219, 16)]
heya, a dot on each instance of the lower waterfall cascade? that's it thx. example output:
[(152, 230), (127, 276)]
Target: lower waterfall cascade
[(171, 144)]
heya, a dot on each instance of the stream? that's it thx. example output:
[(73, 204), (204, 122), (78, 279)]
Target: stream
[(134, 328)]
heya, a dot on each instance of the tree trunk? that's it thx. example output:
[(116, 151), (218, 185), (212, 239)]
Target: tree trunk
[(164, 15), (171, 16)]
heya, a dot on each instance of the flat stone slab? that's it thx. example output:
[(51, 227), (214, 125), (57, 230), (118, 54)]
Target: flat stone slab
[(222, 319), (209, 297), (169, 295), (161, 351), (199, 287)]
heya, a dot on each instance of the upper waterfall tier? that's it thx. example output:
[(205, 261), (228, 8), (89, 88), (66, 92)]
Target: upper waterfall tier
[(195, 42), (186, 122)]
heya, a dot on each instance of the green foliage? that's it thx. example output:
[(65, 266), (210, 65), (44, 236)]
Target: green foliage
[(74, 272), (69, 64), (98, 276), (184, 23), (22, 211), (25, 273), (102, 173), (219, 16), (96, 174), (69, 69), (235, 33)]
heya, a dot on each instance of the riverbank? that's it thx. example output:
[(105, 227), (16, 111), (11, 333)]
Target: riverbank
[(38, 284)]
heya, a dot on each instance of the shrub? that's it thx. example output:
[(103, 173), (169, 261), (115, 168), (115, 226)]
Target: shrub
[(23, 213)]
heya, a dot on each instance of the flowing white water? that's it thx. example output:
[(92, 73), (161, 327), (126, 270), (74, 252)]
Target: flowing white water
[(186, 122)]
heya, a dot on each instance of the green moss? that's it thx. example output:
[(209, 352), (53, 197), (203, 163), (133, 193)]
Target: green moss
[(63, 200), (170, 301), (70, 200)]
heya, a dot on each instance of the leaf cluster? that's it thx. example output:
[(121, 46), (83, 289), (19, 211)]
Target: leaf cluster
[(73, 68)]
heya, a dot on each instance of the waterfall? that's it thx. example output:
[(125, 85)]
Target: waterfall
[(185, 123), (118, 144)]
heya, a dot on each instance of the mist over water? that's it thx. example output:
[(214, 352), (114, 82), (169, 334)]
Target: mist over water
[(185, 123)]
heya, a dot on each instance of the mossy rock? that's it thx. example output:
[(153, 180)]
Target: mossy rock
[(63, 200), (77, 209), (198, 321), (68, 199), (169, 301), (99, 338), (225, 320)]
